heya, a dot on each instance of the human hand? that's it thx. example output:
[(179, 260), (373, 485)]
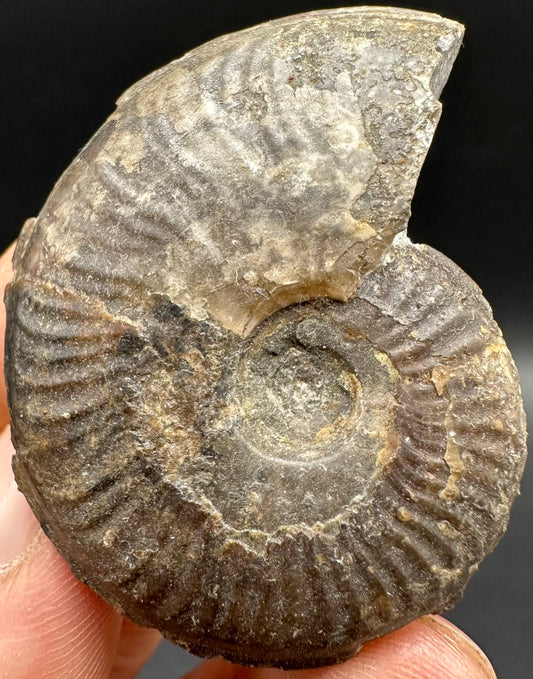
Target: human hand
[(54, 627)]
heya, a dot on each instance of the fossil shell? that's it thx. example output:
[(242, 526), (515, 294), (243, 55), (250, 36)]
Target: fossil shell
[(247, 409)]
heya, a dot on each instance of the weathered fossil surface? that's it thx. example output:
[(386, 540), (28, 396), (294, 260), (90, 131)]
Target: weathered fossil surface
[(247, 409)]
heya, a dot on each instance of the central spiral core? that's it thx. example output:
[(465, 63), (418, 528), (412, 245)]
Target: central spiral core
[(296, 393), (306, 423)]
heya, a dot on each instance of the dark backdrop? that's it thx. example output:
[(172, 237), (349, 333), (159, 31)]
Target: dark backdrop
[(63, 63)]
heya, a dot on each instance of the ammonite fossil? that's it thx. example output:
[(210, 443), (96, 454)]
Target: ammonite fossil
[(247, 410)]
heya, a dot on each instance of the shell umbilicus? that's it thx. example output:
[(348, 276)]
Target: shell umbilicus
[(283, 428)]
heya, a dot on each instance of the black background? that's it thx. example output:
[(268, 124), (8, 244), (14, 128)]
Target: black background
[(64, 63)]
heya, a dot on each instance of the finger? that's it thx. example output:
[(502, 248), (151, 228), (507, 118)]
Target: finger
[(6, 274), (136, 645), (51, 625), (428, 648)]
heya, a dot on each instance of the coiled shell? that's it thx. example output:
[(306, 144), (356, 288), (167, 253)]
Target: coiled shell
[(247, 409)]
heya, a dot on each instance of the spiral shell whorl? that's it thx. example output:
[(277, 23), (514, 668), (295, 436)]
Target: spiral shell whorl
[(283, 428), (218, 166)]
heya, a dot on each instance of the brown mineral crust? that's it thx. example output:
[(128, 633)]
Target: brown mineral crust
[(268, 452)]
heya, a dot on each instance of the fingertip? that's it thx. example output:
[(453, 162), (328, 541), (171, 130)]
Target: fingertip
[(136, 645), (218, 668), (6, 266), (459, 643), (428, 648)]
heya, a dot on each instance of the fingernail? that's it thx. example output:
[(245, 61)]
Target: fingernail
[(460, 641), (18, 525)]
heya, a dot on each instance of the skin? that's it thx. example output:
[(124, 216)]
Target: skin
[(52, 626)]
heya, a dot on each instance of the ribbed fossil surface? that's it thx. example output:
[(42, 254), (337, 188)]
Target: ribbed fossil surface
[(247, 409)]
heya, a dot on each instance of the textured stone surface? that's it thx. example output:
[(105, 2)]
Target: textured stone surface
[(247, 410)]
